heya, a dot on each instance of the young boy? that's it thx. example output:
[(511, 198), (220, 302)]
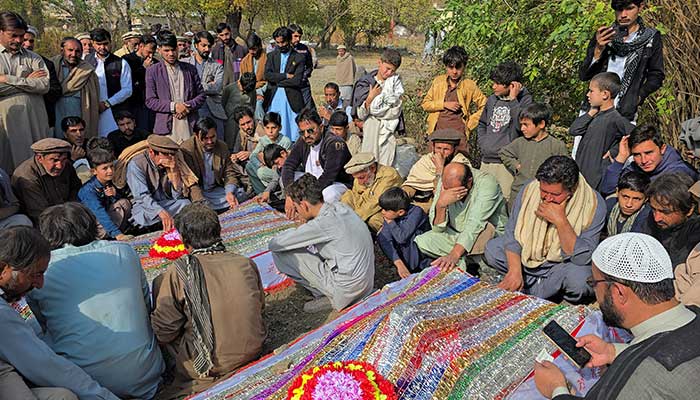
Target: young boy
[(256, 169), (499, 123), (628, 209), (377, 102), (525, 154), (339, 126), (403, 221), (601, 128), (450, 96), (274, 156), (103, 199)]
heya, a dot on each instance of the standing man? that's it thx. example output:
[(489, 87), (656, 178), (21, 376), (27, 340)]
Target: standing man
[(139, 61), (24, 78), (303, 49), (345, 70), (228, 53), (211, 74), (85, 40), (184, 47), (114, 75), (254, 62), (54, 93), (173, 91), (630, 49), (80, 87), (284, 70), (131, 40)]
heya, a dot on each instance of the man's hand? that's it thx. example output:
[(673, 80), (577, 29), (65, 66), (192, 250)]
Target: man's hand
[(512, 282), (122, 237), (240, 156), (167, 220), (110, 191), (451, 196), (76, 153), (148, 61), (602, 352), (552, 212), (603, 36), (438, 161), (374, 91), (181, 108), (289, 210), (515, 88), (169, 163), (446, 263), (3, 78), (453, 106), (290, 76), (263, 197), (324, 113), (623, 152), (102, 106), (40, 73), (548, 377), (401, 269), (231, 200)]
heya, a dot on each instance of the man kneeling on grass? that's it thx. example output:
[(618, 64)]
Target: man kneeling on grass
[(331, 254)]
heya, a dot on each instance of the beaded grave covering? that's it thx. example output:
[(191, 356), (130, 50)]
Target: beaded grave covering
[(245, 230), (435, 335)]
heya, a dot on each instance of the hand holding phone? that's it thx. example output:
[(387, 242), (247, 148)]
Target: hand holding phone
[(567, 344)]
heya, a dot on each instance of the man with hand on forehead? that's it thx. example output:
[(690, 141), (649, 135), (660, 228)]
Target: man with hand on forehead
[(156, 182)]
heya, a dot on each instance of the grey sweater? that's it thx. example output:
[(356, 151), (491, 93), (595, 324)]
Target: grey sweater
[(500, 124)]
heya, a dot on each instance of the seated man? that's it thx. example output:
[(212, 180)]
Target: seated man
[(74, 131), (127, 134), (158, 183), (211, 323), (468, 210), (320, 154), (247, 138), (628, 210), (371, 180), (673, 220), (422, 179), (47, 179), (632, 279), (24, 358), (551, 234), (9, 205), (331, 254), (95, 293), (331, 94), (221, 181), (650, 155), (340, 126), (109, 205)]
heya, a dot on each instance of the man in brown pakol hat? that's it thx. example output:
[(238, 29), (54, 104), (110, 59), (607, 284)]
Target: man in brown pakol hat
[(47, 179), (160, 182), (81, 88)]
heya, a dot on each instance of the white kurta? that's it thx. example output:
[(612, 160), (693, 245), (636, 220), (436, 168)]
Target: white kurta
[(107, 123)]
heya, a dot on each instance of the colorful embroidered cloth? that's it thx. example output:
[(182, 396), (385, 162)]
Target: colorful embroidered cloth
[(435, 335), (246, 230)]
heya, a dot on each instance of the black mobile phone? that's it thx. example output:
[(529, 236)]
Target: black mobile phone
[(567, 344), (621, 32)]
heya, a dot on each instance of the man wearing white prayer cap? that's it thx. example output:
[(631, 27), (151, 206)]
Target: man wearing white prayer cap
[(633, 283)]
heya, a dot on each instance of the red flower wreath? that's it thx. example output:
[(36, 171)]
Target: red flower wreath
[(341, 380), (169, 246)]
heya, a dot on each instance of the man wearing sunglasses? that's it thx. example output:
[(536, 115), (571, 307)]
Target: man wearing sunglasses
[(319, 153)]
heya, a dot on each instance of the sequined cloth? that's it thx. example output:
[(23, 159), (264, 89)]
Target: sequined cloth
[(246, 230), (435, 335)]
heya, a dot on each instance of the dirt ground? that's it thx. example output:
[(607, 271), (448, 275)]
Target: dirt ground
[(284, 313)]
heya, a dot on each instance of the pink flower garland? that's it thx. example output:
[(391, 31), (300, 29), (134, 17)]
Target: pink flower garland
[(341, 380)]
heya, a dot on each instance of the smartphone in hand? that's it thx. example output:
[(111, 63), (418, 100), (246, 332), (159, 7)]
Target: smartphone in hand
[(567, 344)]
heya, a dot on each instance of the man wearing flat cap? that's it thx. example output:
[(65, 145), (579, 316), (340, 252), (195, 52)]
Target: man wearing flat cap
[(131, 41), (370, 181), (632, 277), (159, 183), (47, 179), (422, 179)]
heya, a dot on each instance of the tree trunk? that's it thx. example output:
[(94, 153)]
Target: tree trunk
[(234, 19), (128, 14)]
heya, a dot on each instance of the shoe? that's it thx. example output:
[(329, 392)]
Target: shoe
[(318, 305)]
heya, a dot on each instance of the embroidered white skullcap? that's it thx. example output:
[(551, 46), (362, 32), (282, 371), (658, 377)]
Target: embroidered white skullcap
[(634, 257)]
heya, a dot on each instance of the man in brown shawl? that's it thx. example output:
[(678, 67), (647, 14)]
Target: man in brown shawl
[(81, 88)]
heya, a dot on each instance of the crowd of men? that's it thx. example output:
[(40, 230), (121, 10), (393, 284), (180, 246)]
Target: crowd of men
[(169, 131)]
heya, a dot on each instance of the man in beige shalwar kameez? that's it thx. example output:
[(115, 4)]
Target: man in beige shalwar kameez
[(24, 78)]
